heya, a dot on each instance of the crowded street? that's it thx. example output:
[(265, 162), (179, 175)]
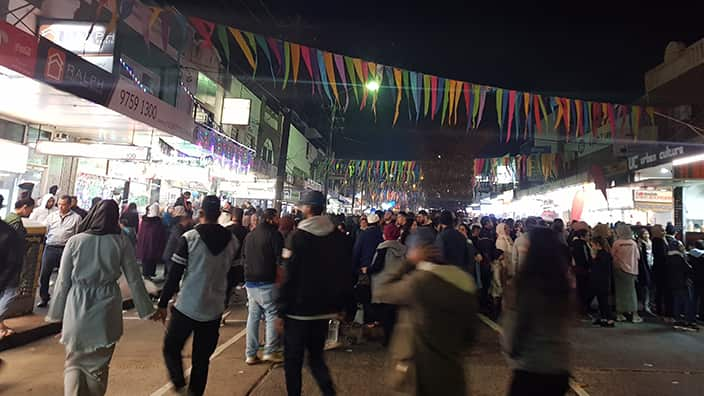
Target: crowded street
[(268, 197)]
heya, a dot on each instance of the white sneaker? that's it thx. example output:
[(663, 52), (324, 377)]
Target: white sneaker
[(276, 357), (252, 360), (637, 318), (620, 318)]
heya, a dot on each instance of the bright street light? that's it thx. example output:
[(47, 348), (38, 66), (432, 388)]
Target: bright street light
[(372, 85)]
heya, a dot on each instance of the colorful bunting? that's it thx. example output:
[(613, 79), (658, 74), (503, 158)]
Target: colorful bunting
[(397, 79)]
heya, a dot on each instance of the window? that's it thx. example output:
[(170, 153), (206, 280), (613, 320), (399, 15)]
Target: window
[(11, 131), (268, 152), (307, 150)]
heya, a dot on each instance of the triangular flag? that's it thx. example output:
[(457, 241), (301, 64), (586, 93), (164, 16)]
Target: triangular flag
[(340, 67), (441, 94), (397, 79), (445, 98), (407, 89), (475, 104), (416, 82), (451, 98), (274, 47), (244, 47), (323, 74), (536, 114), (295, 60), (467, 103), (482, 101), (426, 94), (330, 71), (579, 109), (458, 95), (261, 41), (651, 114), (204, 28), (305, 55), (287, 63), (499, 105), (558, 118), (433, 96), (224, 42), (364, 79), (612, 120), (511, 109), (349, 63)]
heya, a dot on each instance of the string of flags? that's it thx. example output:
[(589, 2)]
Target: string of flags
[(390, 172), (354, 82), (520, 167)]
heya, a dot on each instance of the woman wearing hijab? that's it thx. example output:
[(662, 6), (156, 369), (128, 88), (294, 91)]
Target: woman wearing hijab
[(151, 241), (626, 254), (88, 300)]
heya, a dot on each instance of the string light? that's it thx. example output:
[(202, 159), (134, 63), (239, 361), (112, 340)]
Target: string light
[(132, 74)]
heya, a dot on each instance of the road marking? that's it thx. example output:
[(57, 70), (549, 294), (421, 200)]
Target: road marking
[(576, 388), (218, 351)]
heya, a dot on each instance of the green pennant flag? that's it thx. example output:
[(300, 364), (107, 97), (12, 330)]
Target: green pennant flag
[(426, 94), (224, 42), (287, 62), (499, 104), (349, 64), (444, 101), (407, 89)]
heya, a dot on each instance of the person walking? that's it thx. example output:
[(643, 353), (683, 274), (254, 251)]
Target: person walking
[(582, 259), (626, 254), (130, 217), (452, 244), (362, 255), (537, 321), (23, 209), (388, 259), (679, 278), (151, 240), (205, 254), (182, 223), (74, 207), (60, 226), (600, 275), (645, 265), (261, 254), (235, 275), (317, 286), (436, 322), (88, 300), (12, 248)]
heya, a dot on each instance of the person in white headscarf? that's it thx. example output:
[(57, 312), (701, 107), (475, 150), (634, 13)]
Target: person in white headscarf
[(45, 208), (626, 255)]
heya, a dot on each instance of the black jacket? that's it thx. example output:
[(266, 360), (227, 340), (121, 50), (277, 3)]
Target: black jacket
[(319, 276), (172, 243), (678, 270), (365, 246), (696, 259), (581, 256), (600, 273), (455, 249), (262, 253), (11, 256)]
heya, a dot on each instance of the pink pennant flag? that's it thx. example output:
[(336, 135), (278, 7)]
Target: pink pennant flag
[(511, 106), (482, 101), (305, 55), (274, 46)]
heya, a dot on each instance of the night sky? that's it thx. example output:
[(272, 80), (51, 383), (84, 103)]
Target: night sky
[(591, 50)]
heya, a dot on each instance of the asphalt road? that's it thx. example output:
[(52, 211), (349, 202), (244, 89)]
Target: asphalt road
[(630, 360)]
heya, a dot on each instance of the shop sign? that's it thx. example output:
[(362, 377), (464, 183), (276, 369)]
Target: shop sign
[(94, 150), (654, 196), (73, 36), (69, 72), (18, 50), (649, 159), (619, 198), (133, 102)]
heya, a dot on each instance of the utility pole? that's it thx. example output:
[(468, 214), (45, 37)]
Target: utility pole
[(281, 163), (330, 154)]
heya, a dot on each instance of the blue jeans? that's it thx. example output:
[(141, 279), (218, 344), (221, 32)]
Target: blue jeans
[(683, 305), (262, 299), (6, 297)]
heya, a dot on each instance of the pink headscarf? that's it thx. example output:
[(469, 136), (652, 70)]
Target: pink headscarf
[(391, 232)]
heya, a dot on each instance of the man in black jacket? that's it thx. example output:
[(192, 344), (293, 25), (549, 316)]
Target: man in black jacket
[(317, 286), (236, 274), (262, 255), (453, 245)]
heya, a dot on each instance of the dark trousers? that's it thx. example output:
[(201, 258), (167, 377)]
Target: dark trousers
[(205, 339), (584, 291), (386, 315), (484, 298), (682, 305), (698, 300), (525, 383), (235, 276), (149, 267), (301, 335), (605, 311), (51, 258), (663, 297)]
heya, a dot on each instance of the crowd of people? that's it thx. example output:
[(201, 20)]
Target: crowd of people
[(419, 278)]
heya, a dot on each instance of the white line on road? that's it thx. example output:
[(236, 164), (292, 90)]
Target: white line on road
[(576, 388), (218, 351)]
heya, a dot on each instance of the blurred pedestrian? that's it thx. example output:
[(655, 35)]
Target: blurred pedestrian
[(476, 271), (261, 255), (559, 227), (600, 275), (452, 244), (679, 279), (626, 254), (88, 300), (12, 249), (317, 286), (151, 240), (663, 296), (207, 253), (182, 223), (362, 255), (436, 322), (696, 259), (23, 209), (388, 259), (537, 321), (130, 218), (236, 274), (74, 207), (582, 259), (286, 225)]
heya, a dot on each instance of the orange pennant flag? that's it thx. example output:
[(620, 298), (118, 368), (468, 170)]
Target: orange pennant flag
[(239, 38), (558, 118), (580, 125), (398, 75), (295, 59), (329, 68), (567, 111)]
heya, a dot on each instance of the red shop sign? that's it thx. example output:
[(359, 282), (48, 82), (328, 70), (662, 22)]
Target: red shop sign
[(18, 49)]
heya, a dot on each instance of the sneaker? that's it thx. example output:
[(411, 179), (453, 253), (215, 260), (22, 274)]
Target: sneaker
[(609, 324), (620, 318), (693, 326), (276, 357), (43, 304), (252, 360), (637, 319)]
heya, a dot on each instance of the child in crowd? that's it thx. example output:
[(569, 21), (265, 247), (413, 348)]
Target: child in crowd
[(600, 279), (498, 271)]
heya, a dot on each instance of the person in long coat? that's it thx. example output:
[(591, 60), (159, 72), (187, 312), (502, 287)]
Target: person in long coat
[(88, 300), (151, 240), (626, 254)]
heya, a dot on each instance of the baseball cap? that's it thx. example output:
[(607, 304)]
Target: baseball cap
[(312, 198), (372, 218)]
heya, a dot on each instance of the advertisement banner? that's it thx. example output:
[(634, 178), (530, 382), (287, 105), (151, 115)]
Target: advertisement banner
[(130, 100), (654, 196), (69, 72), (18, 49)]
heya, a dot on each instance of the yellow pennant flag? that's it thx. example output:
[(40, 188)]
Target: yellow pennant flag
[(239, 38), (398, 75), (426, 94), (156, 11)]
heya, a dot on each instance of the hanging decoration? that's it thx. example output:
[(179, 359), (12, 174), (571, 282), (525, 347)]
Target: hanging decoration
[(521, 167), (231, 153), (393, 173)]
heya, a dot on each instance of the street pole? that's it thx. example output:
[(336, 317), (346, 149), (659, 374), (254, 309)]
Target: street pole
[(354, 190), (281, 163), (329, 153)]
